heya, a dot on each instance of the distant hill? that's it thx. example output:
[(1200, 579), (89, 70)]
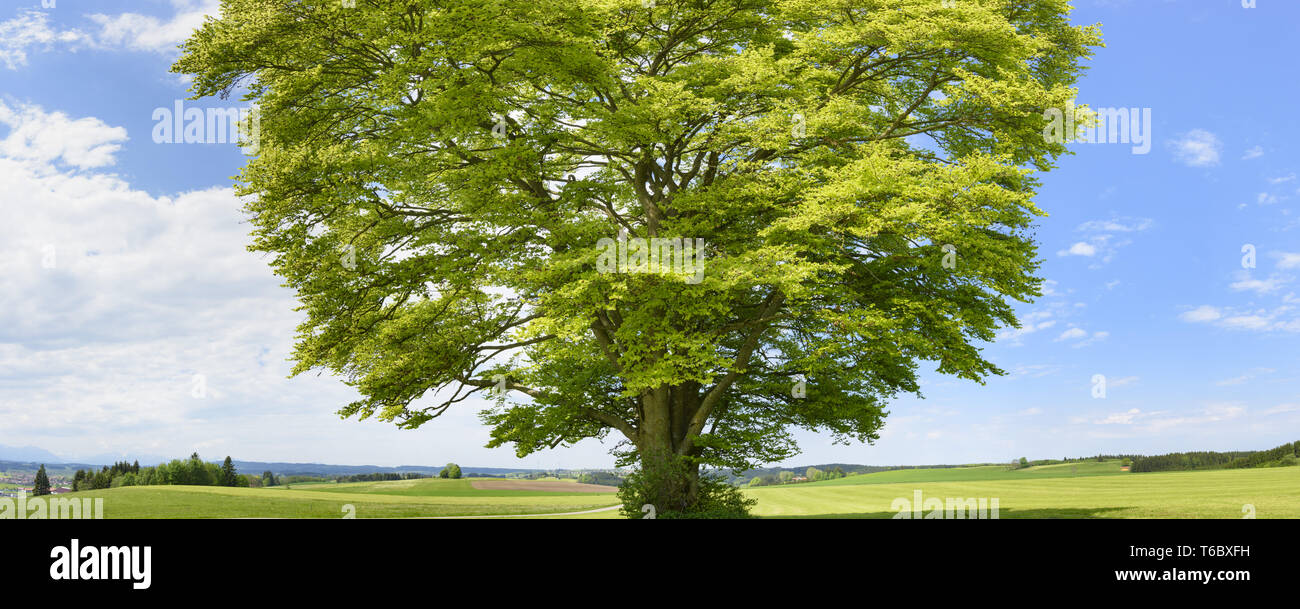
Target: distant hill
[(52, 469)]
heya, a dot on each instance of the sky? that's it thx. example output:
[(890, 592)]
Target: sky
[(134, 322)]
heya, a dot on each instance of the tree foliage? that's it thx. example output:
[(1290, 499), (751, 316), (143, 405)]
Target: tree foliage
[(434, 179)]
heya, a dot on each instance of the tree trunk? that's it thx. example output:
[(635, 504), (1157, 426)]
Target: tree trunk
[(673, 482)]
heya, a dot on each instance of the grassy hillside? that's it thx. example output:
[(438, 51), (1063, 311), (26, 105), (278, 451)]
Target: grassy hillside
[(979, 472), (1275, 493), (370, 499)]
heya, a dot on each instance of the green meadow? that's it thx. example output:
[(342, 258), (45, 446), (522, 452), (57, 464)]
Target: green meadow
[(1080, 490), (980, 472), (1051, 492), (397, 499)]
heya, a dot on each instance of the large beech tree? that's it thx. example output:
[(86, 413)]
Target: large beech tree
[(434, 177)]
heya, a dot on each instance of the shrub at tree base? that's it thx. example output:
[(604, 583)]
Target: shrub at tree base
[(710, 497)]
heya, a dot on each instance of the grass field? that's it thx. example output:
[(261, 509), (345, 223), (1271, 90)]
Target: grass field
[(396, 499), (1090, 490), (1275, 493), (981, 472)]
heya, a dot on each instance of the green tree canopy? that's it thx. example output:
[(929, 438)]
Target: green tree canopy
[(435, 179)]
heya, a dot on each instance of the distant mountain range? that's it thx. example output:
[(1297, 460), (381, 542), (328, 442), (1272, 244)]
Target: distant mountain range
[(27, 453)]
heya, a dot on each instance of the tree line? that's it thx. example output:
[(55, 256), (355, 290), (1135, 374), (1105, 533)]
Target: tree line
[(193, 472), (812, 474), (381, 477), (1286, 454)]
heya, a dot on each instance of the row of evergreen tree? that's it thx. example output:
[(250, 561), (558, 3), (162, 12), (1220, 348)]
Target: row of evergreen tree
[(1286, 454)]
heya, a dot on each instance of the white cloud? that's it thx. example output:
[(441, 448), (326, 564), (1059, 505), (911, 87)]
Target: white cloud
[(1202, 313), (1265, 198), (45, 138), (1102, 244), (1278, 319), (1282, 408), (139, 32), (1122, 418), (1152, 422), (1122, 225), (1079, 249), (1072, 334), (31, 29), (1288, 260), (1015, 334), (1096, 337), (1247, 322), (112, 300), (1197, 148), (1253, 153), (1259, 286)]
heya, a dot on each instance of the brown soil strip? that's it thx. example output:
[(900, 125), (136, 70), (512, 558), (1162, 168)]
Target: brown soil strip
[(550, 486)]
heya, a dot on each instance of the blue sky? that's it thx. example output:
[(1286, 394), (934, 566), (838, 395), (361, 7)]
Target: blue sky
[(123, 272)]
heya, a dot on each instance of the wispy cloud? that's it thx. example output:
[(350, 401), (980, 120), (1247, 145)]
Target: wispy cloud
[(1260, 286), (1249, 376), (1197, 148), (1102, 243), (1157, 421)]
